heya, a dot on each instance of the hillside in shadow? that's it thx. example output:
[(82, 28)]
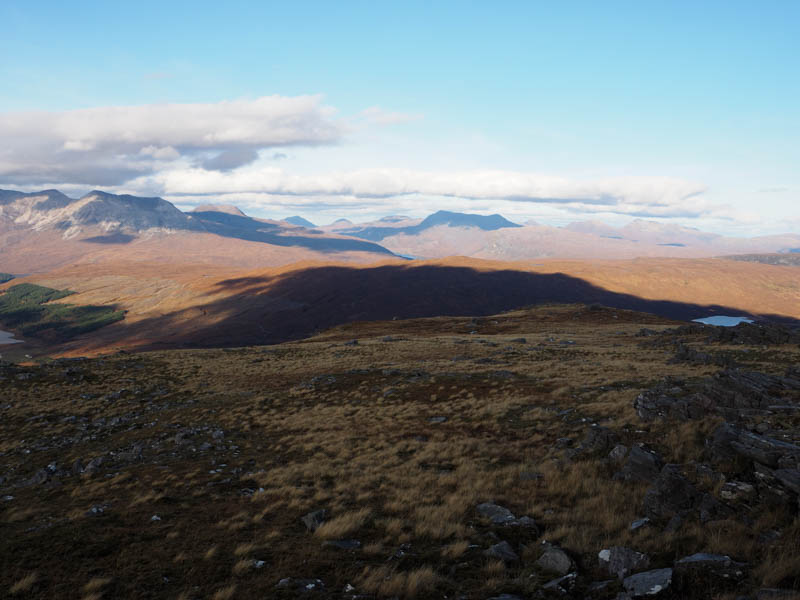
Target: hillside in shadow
[(297, 304)]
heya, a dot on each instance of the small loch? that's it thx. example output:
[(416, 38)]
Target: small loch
[(723, 321)]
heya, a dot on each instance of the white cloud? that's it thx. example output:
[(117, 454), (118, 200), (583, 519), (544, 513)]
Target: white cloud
[(109, 145), (641, 196)]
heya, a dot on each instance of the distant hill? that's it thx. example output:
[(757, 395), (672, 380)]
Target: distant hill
[(300, 221), (439, 218)]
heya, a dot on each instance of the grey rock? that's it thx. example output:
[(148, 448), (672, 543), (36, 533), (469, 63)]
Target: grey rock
[(718, 565), (618, 453), (555, 560), (642, 465), (77, 467), (670, 494), (499, 515), (94, 465), (41, 476), (314, 519), (437, 419), (621, 561), (639, 523), (649, 583), (562, 585), (597, 440), (729, 442), (503, 551), (790, 478)]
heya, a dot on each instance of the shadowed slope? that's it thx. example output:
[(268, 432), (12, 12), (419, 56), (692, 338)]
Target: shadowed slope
[(267, 308)]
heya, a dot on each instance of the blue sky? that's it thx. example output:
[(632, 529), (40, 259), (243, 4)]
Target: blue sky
[(683, 111)]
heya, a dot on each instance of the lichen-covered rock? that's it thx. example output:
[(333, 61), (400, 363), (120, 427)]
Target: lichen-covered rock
[(621, 561), (649, 583)]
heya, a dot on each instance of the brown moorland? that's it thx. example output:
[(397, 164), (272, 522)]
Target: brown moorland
[(180, 305), (186, 473)]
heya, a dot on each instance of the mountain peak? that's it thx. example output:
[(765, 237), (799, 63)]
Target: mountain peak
[(229, 209), (455, 219), (300, 222)]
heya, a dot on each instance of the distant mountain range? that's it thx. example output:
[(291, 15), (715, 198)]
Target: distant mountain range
[(42, 230)]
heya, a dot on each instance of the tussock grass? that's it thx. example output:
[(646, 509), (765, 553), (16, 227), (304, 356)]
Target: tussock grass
[(24, 585), (344, 525), (386, 582)]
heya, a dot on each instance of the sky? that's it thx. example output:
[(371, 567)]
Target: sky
[(682, 112)]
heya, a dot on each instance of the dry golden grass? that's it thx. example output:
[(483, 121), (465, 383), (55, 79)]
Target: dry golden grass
[(96, 583), (25, 584), (386, 582), (344, 524), (225, 593)]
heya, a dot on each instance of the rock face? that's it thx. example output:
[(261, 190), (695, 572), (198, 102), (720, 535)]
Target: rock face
[(649, 583), (730, 393), (620, 561), (729, 442)]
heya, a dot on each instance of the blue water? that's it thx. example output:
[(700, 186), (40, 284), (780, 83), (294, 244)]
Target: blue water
[(723, 321), (7, 338)]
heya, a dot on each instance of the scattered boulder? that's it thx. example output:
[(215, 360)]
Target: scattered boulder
[(649, 583), (621, 561), (503, 551), (598, 440), (642, 465), (703, 565), (562, 585), (618, 453), (555, 560), (314, 519), (737, 491), (498, 515), (671, 494)]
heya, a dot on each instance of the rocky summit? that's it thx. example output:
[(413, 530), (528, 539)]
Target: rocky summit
[(551, 452)]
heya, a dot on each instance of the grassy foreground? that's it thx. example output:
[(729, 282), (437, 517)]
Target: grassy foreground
[(185, 474)]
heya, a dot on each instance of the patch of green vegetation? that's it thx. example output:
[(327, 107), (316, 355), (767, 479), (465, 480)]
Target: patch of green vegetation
[(4, 277), (27, 308)]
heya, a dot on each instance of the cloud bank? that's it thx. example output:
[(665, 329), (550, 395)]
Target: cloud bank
[(215, 149), (111, 145), (640, 196)]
